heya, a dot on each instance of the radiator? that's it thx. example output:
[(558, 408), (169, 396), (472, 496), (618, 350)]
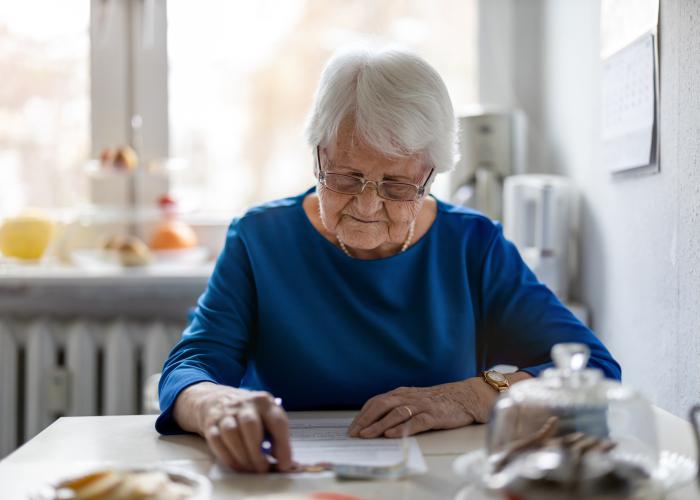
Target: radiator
[(52, 367)]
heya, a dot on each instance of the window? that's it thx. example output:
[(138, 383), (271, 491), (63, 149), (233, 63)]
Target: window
[(223, 87), (243, 74), (44, 102)]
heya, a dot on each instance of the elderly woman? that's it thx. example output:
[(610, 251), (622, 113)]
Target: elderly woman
[(364, 292)]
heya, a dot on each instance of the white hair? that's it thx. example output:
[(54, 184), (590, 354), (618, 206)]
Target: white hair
[(398, 102)]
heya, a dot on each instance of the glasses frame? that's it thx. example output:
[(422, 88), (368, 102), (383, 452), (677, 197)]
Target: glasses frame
[(420, 189)]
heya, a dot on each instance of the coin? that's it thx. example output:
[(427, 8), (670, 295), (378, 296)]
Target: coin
[(315, 468)]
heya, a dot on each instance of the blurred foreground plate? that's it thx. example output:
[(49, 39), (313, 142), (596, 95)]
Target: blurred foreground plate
[(199, 485)]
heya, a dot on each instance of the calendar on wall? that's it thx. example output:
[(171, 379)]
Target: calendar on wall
[(629, 107), (630, 85)]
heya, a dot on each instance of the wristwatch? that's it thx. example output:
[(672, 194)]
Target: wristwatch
[(496, 380)]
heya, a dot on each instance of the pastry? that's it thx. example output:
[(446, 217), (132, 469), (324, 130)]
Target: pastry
[(129, 251), (125, 158), (134, 252), (123, 485)]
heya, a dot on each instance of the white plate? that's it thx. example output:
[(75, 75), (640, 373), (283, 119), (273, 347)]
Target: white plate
[(674, 470), (196, 255), (199, 483), (100, 260)]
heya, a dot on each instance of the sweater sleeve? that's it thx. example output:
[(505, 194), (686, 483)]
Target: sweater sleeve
[(215, 346), (523, 319)]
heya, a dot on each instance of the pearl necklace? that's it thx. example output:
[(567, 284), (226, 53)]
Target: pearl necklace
[(403, 247)]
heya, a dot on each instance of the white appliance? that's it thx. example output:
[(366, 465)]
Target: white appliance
[(540, 213), (491, 143)]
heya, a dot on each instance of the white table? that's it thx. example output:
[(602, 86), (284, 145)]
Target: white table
[(75, 443)]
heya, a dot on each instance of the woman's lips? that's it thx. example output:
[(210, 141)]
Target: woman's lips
[(364, 221)]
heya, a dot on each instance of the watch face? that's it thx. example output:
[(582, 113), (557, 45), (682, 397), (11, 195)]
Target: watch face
[(496, 376)]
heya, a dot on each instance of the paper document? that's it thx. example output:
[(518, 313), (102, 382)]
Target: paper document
[(326, 440), (317, 440)]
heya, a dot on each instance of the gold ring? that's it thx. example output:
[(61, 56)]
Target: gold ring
[(410, 413)]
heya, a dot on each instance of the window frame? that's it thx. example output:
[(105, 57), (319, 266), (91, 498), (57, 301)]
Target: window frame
[(129, 76)]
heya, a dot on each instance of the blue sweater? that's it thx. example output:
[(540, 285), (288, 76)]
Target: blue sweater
[(288, 312)]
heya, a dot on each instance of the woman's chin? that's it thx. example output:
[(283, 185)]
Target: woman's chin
[(361, 242)]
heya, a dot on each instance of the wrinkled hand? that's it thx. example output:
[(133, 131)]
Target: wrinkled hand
[(234, 421), (418, 409)]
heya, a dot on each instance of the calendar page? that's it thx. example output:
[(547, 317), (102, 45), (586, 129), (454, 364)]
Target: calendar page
[(629, 106)]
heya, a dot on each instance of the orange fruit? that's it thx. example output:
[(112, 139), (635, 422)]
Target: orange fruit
[(173, 235)]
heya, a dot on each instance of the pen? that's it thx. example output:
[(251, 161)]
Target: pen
[(266, 445)]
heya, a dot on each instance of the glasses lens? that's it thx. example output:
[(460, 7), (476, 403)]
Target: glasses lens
[(344, 183), (398, 191)]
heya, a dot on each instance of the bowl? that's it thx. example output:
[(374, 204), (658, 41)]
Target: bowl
[(151, 482)]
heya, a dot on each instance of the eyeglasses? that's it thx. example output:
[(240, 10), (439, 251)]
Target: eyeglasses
[(389, 190)]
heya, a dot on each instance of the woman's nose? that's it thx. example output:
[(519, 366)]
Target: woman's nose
[(369, 198)]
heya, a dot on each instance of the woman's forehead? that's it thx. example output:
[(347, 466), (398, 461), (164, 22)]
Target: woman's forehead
[(350, 151), (377, 163)]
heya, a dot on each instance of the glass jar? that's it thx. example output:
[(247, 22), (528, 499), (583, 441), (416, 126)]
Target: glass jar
[(570, 429)]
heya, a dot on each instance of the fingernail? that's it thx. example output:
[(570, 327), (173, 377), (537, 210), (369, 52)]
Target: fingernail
[(290, 466)]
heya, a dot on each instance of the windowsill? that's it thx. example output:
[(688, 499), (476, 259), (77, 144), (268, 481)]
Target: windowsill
[(12, 274), (72, 292)]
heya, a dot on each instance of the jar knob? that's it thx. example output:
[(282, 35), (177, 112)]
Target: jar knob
[(571, 356)]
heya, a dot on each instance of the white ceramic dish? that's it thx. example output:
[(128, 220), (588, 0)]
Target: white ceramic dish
[(200, 484), (102, 260), (196, 255)]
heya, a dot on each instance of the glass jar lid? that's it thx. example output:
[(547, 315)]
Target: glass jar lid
[(570, 425)]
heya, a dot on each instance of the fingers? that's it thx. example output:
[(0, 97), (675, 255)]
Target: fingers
[(276, 424), (233, 421), (252, 436), (216, 444), (275, 421), (228, 444), (231, 437), (373, 410), (237, 431), (392, 419), (419, 423)]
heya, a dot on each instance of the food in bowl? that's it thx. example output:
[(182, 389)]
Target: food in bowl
[(113, 484)]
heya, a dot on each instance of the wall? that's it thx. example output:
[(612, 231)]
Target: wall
[(640, 251)]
